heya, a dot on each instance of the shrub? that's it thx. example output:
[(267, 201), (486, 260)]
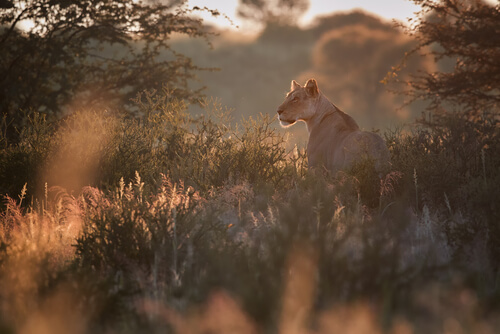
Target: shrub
[(98, 148), (227, 208), (153, 242), (449, 165)]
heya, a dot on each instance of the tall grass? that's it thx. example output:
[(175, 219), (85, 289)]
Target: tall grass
[(187, 224)]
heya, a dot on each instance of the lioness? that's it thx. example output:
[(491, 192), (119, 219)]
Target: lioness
[(335, 140)]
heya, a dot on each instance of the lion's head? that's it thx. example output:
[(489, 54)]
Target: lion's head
[(299, 103)]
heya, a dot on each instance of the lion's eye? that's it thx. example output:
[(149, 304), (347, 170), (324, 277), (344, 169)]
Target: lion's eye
[(295, 99)]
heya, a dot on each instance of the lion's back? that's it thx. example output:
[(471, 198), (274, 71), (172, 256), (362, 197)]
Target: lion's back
[(361, 145)]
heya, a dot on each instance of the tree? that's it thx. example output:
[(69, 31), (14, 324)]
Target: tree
[(467, 34), (351, 59), (60, 53), (284, 12), (463, 36)]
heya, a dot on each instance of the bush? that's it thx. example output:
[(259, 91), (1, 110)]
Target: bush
[(448, 164), (98, 148), (178, 208), (154, 242)]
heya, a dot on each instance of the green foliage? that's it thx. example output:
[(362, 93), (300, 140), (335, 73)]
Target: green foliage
[(97, 148), (465, 34), (342, 20), (136, 223), (214, 207), (453, 151), (156, 241), (20, 163), (90, 54), (449, 164), (170, 244), (276, 11), (205, 150)]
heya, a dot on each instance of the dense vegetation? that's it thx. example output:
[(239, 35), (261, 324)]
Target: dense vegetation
[(161, 220)]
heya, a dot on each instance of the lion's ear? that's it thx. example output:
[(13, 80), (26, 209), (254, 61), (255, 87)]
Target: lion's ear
[(312, 88), (294, 85)]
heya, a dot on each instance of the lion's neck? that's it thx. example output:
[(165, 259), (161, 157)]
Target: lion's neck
[(324, 109)]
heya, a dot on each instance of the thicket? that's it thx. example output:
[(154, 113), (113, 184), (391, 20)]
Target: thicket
[(456, 147), (203, 150), (183, 211), (165, 221), (58, 56)]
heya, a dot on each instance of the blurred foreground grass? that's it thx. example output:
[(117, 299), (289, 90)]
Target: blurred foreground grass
[(175, 223)]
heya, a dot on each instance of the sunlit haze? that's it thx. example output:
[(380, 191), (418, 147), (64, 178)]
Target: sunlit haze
[(387, 9)]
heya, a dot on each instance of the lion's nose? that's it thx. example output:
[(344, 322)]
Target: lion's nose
[(279, 111)]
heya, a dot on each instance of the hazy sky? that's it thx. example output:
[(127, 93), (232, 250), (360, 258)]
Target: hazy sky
[(387, 9)]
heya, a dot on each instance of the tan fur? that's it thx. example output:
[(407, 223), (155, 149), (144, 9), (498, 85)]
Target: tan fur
[(335, 140)]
